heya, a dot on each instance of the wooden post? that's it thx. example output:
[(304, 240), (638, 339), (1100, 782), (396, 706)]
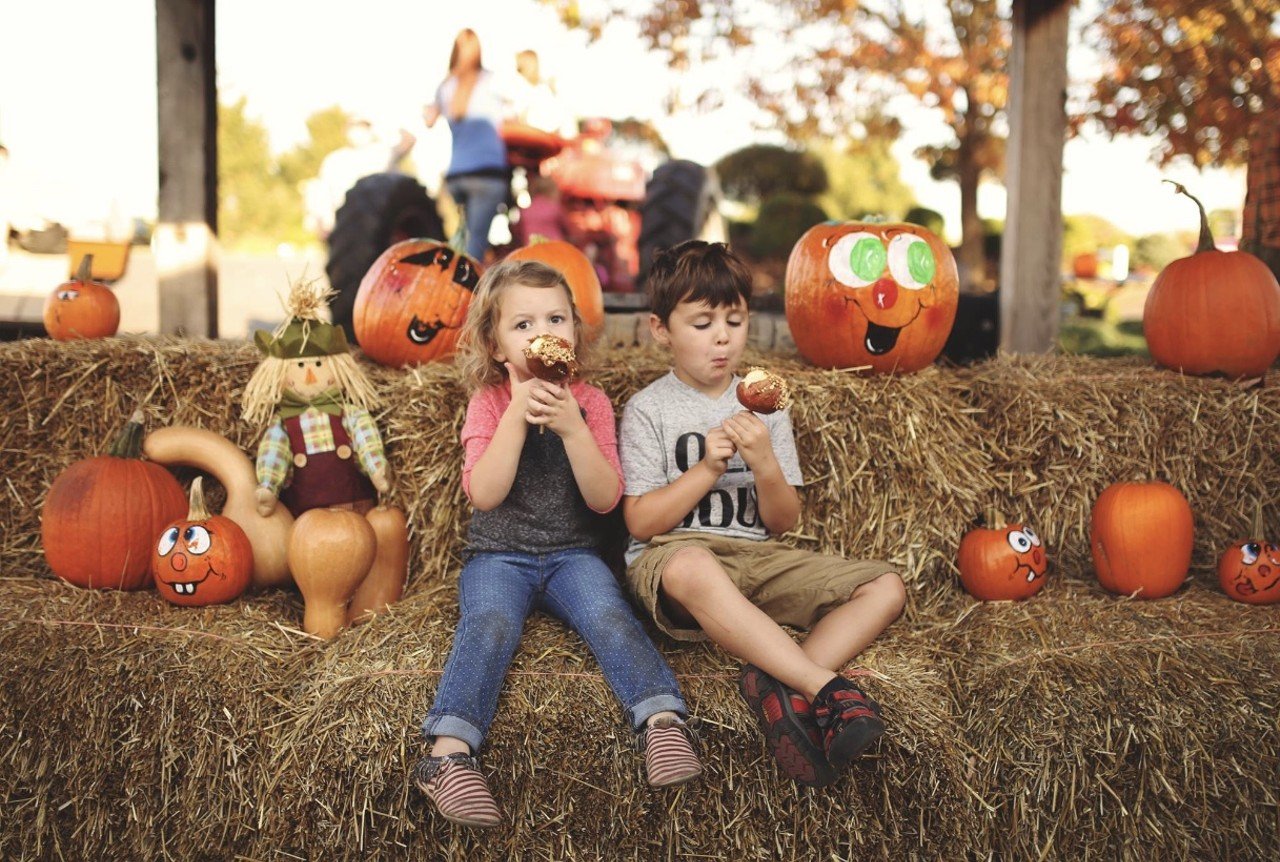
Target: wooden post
[(1030, 264), (185, 239)]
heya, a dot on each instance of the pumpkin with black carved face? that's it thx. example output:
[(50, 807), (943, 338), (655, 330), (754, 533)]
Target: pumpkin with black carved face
[(1249, 572), (882, 296), (412, 301)]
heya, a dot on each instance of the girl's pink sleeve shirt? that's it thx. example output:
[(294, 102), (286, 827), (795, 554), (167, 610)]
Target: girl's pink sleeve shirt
[(487, 406)]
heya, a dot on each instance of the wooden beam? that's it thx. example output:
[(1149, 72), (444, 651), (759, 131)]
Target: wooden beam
[(1030, 265), (185, 239)]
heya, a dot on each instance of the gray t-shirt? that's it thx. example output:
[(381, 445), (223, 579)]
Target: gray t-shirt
[(664, 429)]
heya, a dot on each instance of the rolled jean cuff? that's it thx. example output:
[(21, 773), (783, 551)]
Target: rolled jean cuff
[(451, 725), (651, 706)]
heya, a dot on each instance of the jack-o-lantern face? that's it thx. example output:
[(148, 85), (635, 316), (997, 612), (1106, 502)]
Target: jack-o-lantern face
[(1002, 564), (412, 302), (882, 296), (202, 559), (1250, 572)]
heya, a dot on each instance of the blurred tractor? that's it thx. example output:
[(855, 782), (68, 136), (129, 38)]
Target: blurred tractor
[(623, 200)]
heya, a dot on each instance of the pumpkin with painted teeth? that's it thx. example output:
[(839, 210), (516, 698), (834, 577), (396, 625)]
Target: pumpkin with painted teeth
[(203, 559), (1249, 572), (412, 301), (881, 296), (1002, 563)]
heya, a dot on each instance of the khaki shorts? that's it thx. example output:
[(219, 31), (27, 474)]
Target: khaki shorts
[(795, 588)]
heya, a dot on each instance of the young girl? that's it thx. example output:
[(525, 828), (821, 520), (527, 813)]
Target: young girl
[(532, 543)]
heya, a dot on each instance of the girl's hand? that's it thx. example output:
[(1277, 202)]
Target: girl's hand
[(520, 390), (751, 437), (720, 449), (553, 405)]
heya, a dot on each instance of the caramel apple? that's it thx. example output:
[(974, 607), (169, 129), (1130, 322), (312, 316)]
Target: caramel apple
[(762, 391), (551, 358)]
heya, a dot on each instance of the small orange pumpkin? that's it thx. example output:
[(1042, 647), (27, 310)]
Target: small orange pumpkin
[(1215, 312), (1141, 536), (81, 308), (577, 269), (876, 295), (412, 302), (202, 559), (1002, 563), (1249, 572), (102, 515)]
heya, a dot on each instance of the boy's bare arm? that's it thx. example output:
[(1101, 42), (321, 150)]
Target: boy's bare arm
[(661, 510)]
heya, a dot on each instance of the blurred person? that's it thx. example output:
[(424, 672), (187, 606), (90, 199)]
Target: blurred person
[(542, 107), (473, 103), (365, 154), (544, 216)]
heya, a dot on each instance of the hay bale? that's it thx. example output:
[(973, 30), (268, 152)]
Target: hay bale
[(1060, 429), (1099, 727)]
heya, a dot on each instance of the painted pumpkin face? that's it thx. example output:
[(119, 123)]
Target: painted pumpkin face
[(412, 302), (878, 295), (1250, 572), (203, 559), (81, 309), (1002, 564)]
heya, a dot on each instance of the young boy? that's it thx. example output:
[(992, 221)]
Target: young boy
[(707, 483)]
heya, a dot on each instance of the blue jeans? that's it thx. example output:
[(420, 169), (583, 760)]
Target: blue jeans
[(479, 196), (497, 592)]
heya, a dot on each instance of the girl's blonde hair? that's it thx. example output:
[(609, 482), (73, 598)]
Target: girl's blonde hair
[(266, 385), (478, 340)]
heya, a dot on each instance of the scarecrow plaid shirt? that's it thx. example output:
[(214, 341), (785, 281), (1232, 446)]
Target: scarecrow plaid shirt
[(1262, 202), (275, 457)]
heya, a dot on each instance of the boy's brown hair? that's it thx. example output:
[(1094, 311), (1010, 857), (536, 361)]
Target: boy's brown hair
[(696, 271)]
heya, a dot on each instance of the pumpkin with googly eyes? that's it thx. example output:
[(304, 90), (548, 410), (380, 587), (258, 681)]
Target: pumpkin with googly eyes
[(412, 302), (81, 308), (1249, 572), (202, 559), (1002, 563), (878, 296)]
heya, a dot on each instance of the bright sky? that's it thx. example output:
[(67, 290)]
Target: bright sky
[(78, 105)]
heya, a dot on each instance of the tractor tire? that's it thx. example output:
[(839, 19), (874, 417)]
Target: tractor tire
[(681, 202), (379, 211)]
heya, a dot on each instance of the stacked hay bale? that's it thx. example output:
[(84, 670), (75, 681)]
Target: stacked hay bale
[(137, 730)]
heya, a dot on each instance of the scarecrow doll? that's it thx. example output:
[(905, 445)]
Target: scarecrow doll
[(321, 456)]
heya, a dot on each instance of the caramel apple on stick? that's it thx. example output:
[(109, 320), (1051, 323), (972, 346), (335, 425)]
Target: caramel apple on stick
[(763, 391)]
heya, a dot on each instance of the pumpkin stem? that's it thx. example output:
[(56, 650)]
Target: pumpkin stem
[(538, 239), (995, 518), (1206, 236), (128, 443), (1257, 522), (85, 269), (197, 510), (459, 240)]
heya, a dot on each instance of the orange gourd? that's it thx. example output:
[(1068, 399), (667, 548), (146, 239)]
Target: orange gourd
[(1001, 563), (214, 454), (577, 269), (412, 302), (1249, 570), (330, 552), (202, 559), (1215, 312), (81, 308), (384, 584), (882, 296), (1141, 536), (102, 515)]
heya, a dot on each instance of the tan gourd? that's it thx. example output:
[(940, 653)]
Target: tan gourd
[(330, 551), (385, 582), (218, 456)]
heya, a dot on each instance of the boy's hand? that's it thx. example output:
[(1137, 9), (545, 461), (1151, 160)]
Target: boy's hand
[(554, 406), (749, 434), (720, 449)]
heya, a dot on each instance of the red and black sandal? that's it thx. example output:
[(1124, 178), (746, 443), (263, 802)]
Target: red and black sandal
[(786, 718)]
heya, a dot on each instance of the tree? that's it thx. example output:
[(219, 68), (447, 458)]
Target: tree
[(847, 62), (862, 180), (256, 202), (755, 172), (1192, 75), (328, 132)]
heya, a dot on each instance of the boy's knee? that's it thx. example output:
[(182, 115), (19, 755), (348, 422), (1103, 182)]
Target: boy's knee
[(688, 573), (888, 590)]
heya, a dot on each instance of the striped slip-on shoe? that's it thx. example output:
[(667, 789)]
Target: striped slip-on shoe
[(669, 757), (459, 790)]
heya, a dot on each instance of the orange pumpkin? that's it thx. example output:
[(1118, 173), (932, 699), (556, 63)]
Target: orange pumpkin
[(1141, 535), (1215, 312), (1002, 563), (102, 515), (412, 302), (877, 295), (1249, 571), (577, 269), (202, 559), (81, 308)]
